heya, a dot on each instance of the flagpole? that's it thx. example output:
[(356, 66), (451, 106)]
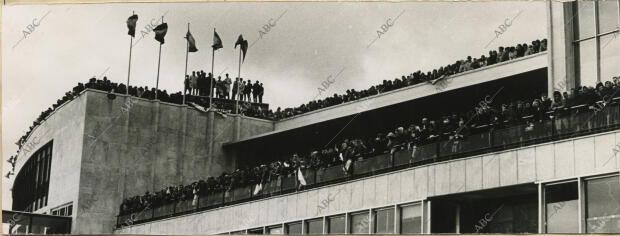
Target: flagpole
[(158, 63), (238, 80), (212, 75), (186, 57), (129, 67)]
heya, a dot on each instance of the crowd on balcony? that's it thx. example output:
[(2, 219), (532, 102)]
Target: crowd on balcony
[(494, 57), (199, 84), (451, 127)]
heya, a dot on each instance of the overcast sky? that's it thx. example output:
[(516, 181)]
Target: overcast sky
[(309, 42)]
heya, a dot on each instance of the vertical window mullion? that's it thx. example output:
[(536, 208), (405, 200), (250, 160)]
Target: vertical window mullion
[(541, 210), (597, 43), (580, 206)]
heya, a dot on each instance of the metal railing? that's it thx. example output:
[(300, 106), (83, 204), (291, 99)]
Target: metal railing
[(577, 121)]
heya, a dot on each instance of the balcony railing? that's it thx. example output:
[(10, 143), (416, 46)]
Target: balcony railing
[(578, 121), (226, 104)]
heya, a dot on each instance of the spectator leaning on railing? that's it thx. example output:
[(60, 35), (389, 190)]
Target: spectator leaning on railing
[(452, 128)]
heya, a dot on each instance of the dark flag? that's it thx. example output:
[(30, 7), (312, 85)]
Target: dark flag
[(191, 41), (244, 45), (160, 32), (131, 24), (217, 42)]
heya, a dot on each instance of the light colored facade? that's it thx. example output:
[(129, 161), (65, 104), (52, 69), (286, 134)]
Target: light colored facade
[(103, 154), (107, 149)]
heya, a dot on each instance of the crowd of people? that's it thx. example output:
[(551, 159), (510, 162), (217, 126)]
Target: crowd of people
[(200, 83), (451, 127), (252, 92), (494, 57)]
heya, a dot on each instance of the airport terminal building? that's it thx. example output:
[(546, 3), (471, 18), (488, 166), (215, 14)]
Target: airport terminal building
[(560, 175)]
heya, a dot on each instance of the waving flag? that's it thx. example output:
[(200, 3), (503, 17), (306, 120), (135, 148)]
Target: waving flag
[(300, 177), (217, 42), (257, 188), (244, 45), (131, 24), (160, 32), (191, 41)]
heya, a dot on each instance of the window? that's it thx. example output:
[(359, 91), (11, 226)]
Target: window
[(31, 184), (411, 219), (607, 16), (603, 205), (585, 19), (293, 228), (255, 231), (561, 207), (336, 224), (238, 232), (596, 43), (66, 210), (587, 62), (360, 223), (274, 230), (610, 58), (314, 226), (384, 221)]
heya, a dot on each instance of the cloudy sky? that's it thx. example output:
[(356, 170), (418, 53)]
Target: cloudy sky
[(309, 42)]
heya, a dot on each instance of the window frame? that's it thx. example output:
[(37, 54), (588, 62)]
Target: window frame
[(286, 226), (373, 220), (356, 213), (306, 225), (596, 37), (399, 215), (543, 204), (584, 196)]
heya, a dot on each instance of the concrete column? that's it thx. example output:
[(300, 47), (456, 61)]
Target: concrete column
[(561, 53), (155, 127), (210, 138), (182, 154)]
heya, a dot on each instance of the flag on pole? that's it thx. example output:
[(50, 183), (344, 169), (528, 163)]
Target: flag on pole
[(160, 32), (191, 41), (217, 42), (300, 177), (131, 24), (244, 45)]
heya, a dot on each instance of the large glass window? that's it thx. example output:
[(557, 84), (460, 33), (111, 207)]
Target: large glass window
[(255, 231), (587, 62), (596, 35), (274, 230), (610, 56), (561, 207), (384, 221), (336, 224), (293, 228), (607, 16), (360, 223), (314, 226), (410, 219), (31, 184), (603, 205), (585, 19)]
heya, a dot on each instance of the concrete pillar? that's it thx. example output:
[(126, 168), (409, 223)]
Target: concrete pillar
[(561, 53)]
